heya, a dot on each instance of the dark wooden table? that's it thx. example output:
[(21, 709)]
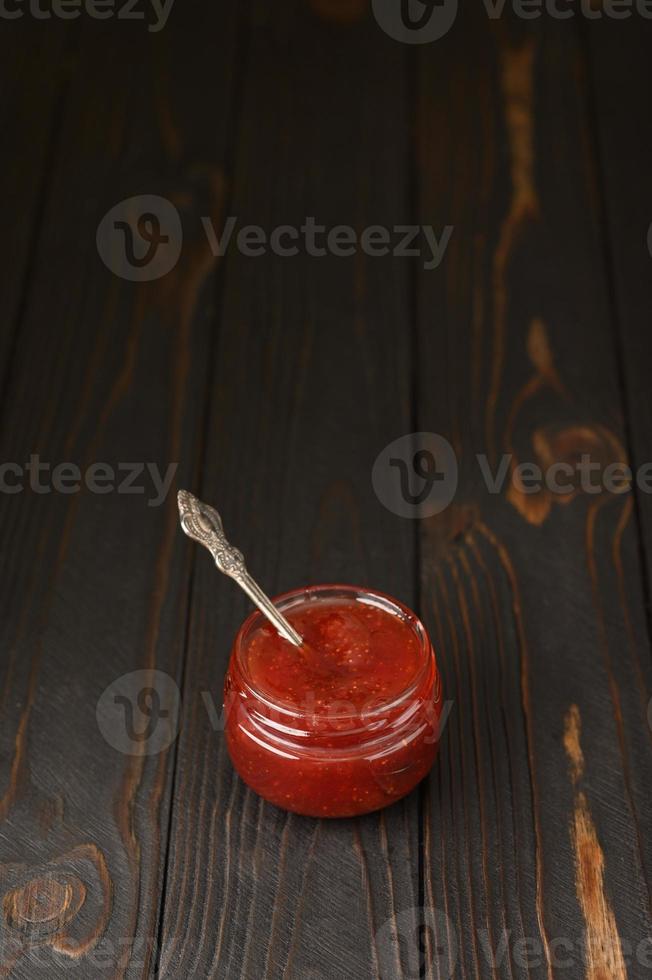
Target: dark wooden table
[(274, 382)]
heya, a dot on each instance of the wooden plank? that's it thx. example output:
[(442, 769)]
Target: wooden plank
[(621, 75), (538, 826), (312, 375), (30, 94), (95, 585)]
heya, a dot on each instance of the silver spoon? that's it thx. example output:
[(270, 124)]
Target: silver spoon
[(204, 525)]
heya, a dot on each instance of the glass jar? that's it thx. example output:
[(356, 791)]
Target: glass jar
[(345, 726)]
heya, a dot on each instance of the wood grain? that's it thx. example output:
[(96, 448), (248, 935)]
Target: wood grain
[(104, 370), (30, 98), (604, 952), (273, 382), (620, 75), (522, 591)]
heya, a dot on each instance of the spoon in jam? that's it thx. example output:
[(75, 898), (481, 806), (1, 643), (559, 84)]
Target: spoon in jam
[(203, 524)]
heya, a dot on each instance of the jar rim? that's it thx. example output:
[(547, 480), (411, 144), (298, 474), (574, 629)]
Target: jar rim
[(295, 597)]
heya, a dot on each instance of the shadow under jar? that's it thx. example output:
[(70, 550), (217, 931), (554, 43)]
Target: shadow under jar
[(345, 725)]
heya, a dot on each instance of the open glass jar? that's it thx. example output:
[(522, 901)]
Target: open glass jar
[(345, 725)]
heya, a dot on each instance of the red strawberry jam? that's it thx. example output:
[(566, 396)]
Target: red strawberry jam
[(346, 724)]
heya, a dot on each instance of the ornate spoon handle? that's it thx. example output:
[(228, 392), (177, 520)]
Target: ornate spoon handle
[(204, 525)]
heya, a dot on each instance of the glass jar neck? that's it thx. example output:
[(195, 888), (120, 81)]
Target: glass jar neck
[(337, 726)]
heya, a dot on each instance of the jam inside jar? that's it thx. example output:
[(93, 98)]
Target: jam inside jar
[(348, 723)]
